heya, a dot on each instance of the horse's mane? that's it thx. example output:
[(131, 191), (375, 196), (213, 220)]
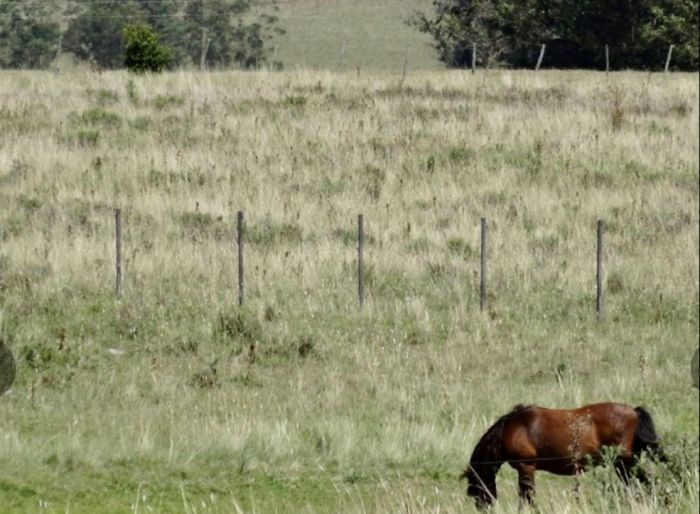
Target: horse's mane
[(489, 449)]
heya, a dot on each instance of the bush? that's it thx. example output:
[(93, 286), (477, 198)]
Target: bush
[(142, 52)]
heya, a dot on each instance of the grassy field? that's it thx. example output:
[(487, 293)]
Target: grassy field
[(173, 399), (342, 34)]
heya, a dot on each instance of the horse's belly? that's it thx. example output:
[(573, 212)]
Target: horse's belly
[(566, 469), (567, 466)]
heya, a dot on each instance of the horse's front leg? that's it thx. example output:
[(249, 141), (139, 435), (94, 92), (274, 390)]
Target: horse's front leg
[(526, 482)]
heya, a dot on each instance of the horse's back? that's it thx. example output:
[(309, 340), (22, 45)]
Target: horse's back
[(557, 437), (612, 416)]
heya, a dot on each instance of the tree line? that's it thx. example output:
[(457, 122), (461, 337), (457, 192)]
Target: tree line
[(239, 33), (575, 32), (212, 33)]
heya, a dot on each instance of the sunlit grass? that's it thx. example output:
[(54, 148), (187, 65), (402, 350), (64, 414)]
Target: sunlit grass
[(175, 400)]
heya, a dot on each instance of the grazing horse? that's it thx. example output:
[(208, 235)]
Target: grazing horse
[(560, 441)]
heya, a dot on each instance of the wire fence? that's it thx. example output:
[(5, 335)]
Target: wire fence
[(240, 238)]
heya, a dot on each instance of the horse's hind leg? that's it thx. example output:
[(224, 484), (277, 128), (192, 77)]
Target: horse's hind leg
[(627, 469), (622, 468), (526, 482)]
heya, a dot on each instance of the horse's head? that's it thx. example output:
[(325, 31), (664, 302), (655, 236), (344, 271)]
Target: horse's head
[(486, 460), (481, 485)]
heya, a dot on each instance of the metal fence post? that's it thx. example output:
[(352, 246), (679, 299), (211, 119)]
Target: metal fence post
[(360, 260), (118, 244), (599, 272), (240, 256), (482, 285)]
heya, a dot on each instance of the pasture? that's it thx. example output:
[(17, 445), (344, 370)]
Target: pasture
[(337, 34), (174, 399)]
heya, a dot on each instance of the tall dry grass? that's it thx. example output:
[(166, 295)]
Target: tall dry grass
[(299, 400)]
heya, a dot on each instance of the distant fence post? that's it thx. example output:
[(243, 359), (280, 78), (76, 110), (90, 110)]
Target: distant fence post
[(607, 60), (360, 260), (599, 272), (482, 285), (342, 56), (239, 237), (59, 48), (473, 58), (539, 59), (405, 65), (271, 64), (668, 58), (206, 40), (118, 244)]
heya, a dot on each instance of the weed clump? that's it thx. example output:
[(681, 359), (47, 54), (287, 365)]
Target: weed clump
[(460, 154), (430, 164), (7, 361), (374, 179), (460, 248), (86, 137), (241, 326), (202, 224), (161, 102), (268, 233), (615, 283), (616, 109), (306, 346), (295, 101), (100, 116), (141, 123), (104, 96), (207, 378), (131, 93)]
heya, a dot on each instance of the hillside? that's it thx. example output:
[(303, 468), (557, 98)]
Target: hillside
[(373, 33)]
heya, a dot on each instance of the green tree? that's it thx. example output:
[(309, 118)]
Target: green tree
[(575, 31), (672, 22), (458, 25), (166, 17), (142, 52), (95, 32), (29, 36), (228, 32), (232, 32)]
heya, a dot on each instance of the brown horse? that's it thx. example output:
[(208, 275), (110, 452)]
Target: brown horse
[(560, 441)]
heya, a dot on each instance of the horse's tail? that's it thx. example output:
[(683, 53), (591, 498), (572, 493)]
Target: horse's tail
[(645, 436)]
